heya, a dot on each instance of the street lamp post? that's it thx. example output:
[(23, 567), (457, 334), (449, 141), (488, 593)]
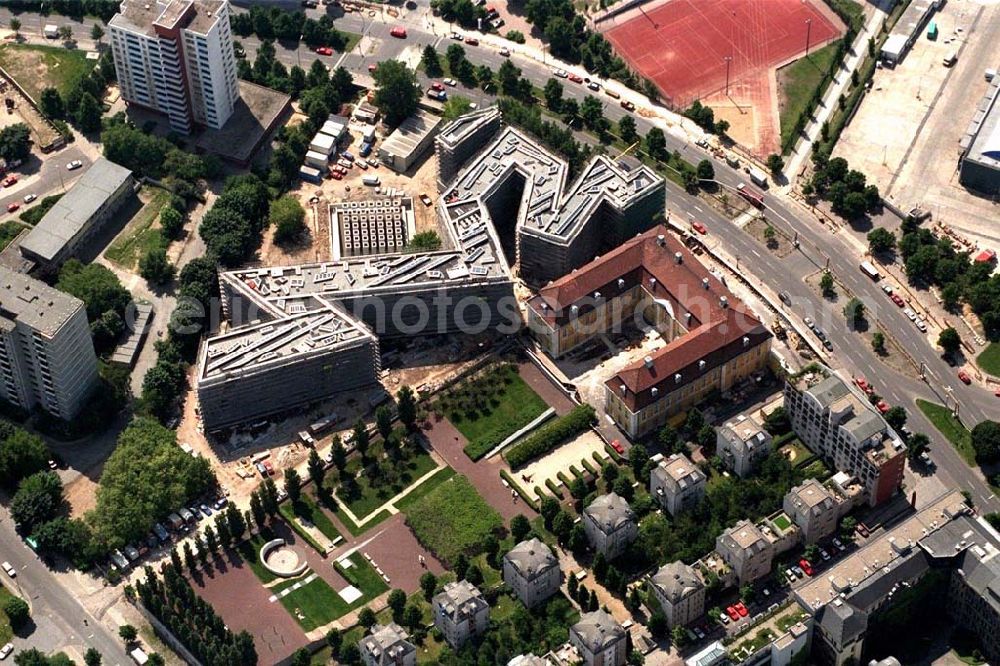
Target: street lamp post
[(809, 25), (729, 60)]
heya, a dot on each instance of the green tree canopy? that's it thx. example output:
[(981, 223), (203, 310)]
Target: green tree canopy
[(95, 285), (396, 91), (145, 478)]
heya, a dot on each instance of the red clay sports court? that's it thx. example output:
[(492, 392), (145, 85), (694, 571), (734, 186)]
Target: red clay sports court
[(681, 45)]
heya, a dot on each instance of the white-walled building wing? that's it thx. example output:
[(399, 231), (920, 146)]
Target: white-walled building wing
[(176, 57), (980, 169)]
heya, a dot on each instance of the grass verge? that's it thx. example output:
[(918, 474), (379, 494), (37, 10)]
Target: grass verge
[(989, 359), (798, 82), (6, 633), (952, 429), (313, 604), (363, 576), (141, 235), (307, 509)]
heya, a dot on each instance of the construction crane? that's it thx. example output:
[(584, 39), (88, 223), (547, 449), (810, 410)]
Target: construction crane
[(627, 150)]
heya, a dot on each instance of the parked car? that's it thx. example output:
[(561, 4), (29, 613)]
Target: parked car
[(324, 51), (195, 512), (887, 288), (840, 546), (806, 566), (862, 529), (457, 37), (450, 82), (398, 32), (699, 227), (6, 650), (617, 446), (723, 618), (9, 181), (964, 376), (882, 406), (75, 164), (437, 86), (161, 533), (560, 73), (28, 198), (426, 200), (594, 85), (799, 572), (825, 555), (13, 206), (574, 78), (9, 570), (220, 503), (741, 609), (733, 614), (505, 52), (897, 299), (471, 41), (611, 93), (205, 509), (269, 467), (627, 105), (260, 466)]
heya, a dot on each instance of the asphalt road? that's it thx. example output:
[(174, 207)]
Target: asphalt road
[(42, 175), (60, 620)]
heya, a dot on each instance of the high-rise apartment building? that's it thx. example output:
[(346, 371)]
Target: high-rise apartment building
[(47, 358), (176, 57)]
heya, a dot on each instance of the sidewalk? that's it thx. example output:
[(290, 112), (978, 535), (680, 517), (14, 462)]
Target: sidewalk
[(841, 80)]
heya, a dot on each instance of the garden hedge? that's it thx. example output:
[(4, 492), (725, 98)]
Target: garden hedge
[(551, 435)]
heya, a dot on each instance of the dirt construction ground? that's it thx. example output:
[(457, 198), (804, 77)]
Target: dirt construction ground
[(905, 135)]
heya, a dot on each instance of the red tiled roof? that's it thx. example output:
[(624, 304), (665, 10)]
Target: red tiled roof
[(715, 331)]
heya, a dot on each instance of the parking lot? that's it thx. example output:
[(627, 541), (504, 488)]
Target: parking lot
[(905, 135)]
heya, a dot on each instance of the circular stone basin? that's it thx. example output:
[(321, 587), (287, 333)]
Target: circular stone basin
[(281, 559)]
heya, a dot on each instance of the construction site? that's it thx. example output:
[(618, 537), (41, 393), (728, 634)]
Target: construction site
[(328, 317)]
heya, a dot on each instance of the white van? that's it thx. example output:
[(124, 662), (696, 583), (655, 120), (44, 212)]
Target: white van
[(370, 181), (950, 59)]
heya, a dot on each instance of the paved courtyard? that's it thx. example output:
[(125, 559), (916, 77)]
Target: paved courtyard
[(244, 603), (571, 453)]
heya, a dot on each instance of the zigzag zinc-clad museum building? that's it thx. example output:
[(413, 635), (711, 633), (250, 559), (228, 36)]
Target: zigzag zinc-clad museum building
[(299, 334)]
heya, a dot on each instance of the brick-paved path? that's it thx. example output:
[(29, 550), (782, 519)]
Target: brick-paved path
[(540, 383), (395, 549), (484, 475), (243, 603)]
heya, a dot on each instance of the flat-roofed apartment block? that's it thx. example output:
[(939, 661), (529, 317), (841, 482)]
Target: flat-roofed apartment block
[(815, 509), (840, 425), (462, 138), (80, 214), (408, 142), (742, 443), (532, 571), (599, 639), (388, 645), (371, 226), (676, 483), (680, 592), (610, 525), (47, 357), (176, 57), (943, 537), (265, 368), (713, 341), (548, 227), (746, 549), (460, 612)]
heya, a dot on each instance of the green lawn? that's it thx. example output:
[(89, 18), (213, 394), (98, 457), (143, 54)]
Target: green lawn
[(316, 602), (514, 406), (249, 550), (307, 509), (782, 522), (797, 83), (989, 359), (6, 633), (142, 233), (366, 498), (425, 488), (38, 67), (9, 231), (951, 428), (362, 576), (453, 519)]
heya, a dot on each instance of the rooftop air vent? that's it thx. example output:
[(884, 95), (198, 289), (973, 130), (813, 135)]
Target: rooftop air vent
[(677, 378), (652, 283), (661, 240), (621, 283), (597, 295), (574, 309), (678, 257), (723, 301), (654, 391), (701, 365), (746, 341), (704, 283), (648, 361)]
